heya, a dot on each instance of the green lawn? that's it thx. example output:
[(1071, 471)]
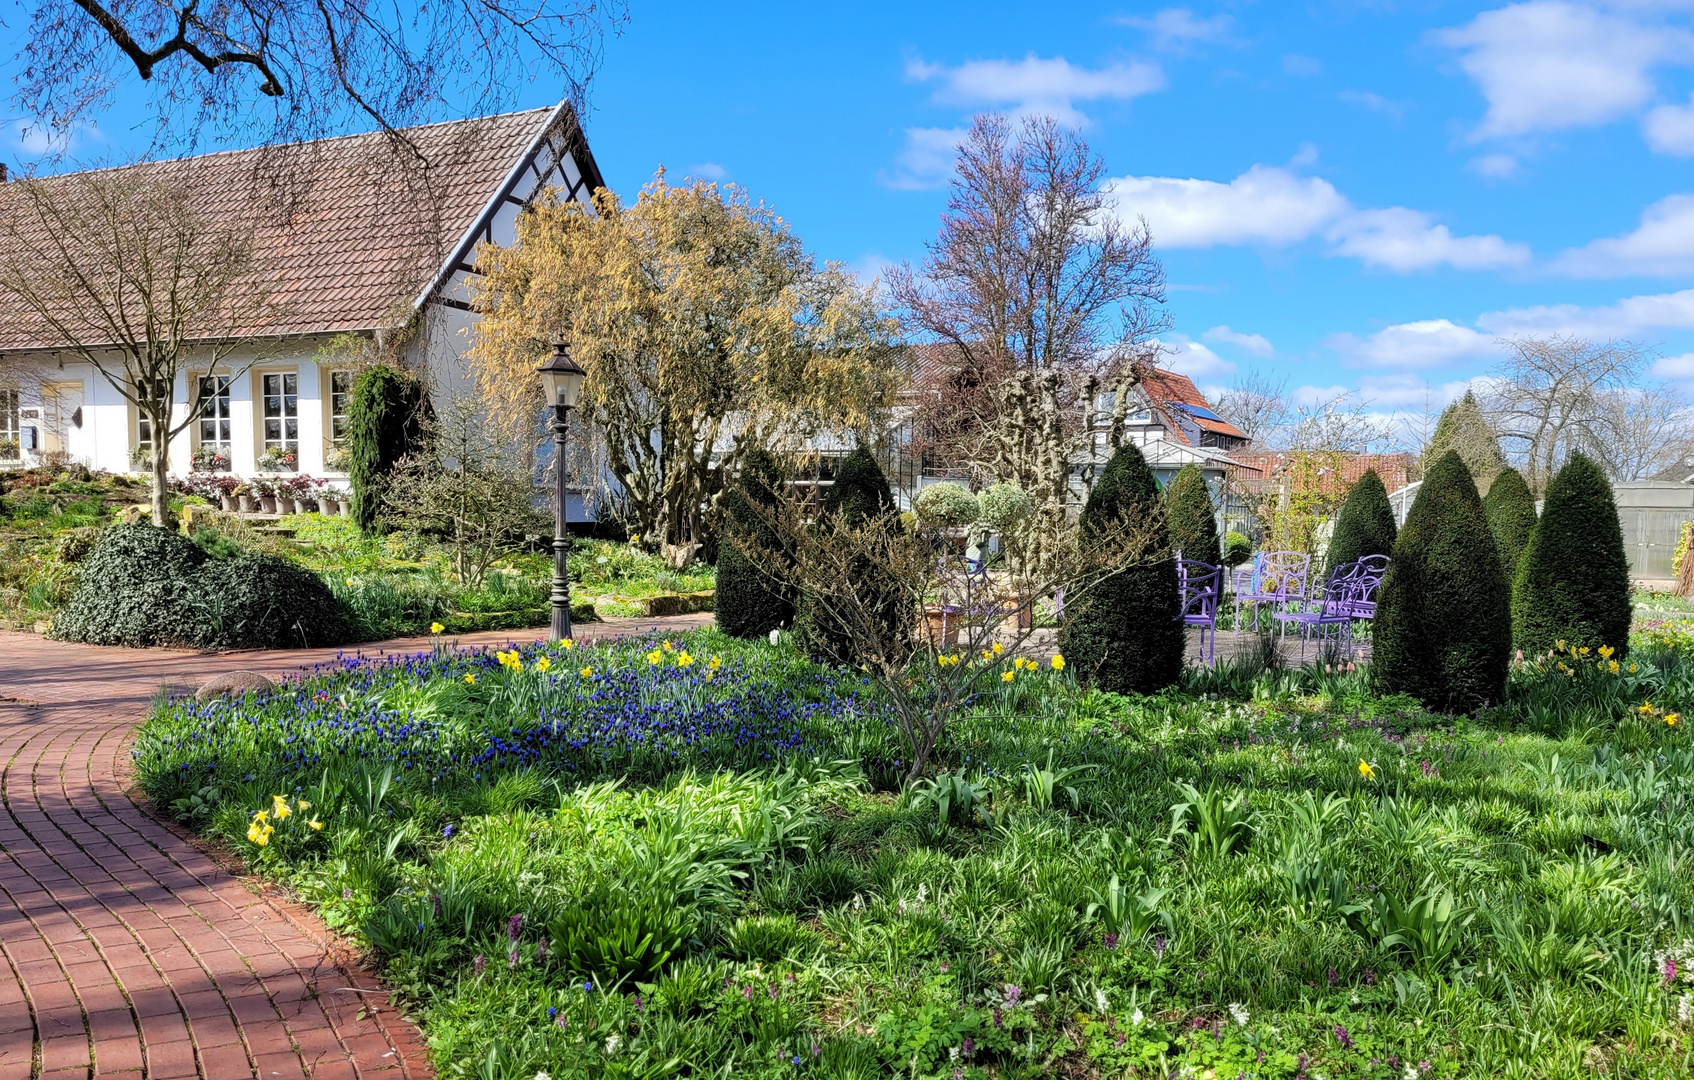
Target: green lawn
[(695, 860)]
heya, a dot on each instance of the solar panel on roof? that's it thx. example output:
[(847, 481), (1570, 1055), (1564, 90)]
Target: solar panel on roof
[(1198, 410)]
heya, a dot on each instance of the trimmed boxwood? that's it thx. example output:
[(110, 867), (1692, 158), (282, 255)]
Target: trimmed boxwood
[(1365, 525), (1123, 634), (1573, 581), (1193, 522), (749, 603), (1511, 515), (1443, 618), (143, 585), (860, 493)]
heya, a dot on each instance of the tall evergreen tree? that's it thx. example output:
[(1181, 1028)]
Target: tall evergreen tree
[(1193, 521), (387, 419), (1365, 525), (1125, 634), (1443, 618), (749, 603), (1462, 427), (860, 493), (1511, 515), (1573, 581)]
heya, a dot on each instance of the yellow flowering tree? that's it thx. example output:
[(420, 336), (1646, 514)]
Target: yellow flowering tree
[(706, 330)]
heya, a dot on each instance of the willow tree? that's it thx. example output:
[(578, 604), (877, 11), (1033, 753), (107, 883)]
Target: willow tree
[(706, 330)]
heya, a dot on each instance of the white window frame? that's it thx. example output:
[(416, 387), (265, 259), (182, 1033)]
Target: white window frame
[(331, 415), (261, 406), (11, 422), (224, 391)]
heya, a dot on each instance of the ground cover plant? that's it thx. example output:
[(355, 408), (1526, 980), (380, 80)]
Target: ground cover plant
[(693, 857)]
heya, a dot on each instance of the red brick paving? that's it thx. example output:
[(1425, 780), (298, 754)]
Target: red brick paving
[(125, 951)]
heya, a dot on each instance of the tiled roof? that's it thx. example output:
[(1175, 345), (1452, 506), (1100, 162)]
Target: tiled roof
[(1394, 469), (1166, 388), (358, 236)]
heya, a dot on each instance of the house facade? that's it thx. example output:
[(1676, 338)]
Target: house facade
[(367, 250)]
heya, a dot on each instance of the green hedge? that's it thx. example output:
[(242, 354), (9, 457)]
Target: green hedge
[(749, 603), (1365, 525), (387, 420), (1511, 515), (1573, 581), (1193, 520)]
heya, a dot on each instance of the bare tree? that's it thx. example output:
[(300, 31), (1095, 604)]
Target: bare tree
[(1641, 431), (1042, 297), (1257, 403), (298, 69), (975, 627), (1548, 398), (121, 269)]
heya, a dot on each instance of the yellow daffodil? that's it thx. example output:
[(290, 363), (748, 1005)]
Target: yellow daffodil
[(543, 664), (683, 659), (316, 825), (279, 807), (655, 656), (436, 628), (1367, 770), (1646, 707), (1632, 669), (1008, 676), (1559, 644), (1613, 667), (998, 648), (260, 815), (715, 662), (986, 655), (634, 538), (302, 805), (1058, 663), (1673, 719), (586, 672), (1583, 650), (669, 647), (1605, 652), (567, 644), (470, 678)]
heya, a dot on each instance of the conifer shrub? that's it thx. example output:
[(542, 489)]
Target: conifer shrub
[(749, 602), (860, 494), (1237, 549), (1365, 525), (1193, 521), (1573, 580), (1464, 428), (1123, 634), (387, 420), (1511, 515), (1443, 619)]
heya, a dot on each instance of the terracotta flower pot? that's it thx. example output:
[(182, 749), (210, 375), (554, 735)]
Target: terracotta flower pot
[(943, 625)]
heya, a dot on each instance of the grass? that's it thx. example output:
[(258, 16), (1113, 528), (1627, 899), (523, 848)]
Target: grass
[(695, 860)]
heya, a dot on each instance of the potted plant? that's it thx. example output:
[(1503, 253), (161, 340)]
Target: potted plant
[(210, 459), (265, 491), (336, 460), (226, 487), (9, 450), (142, 458), (301, 490), (245, 501), (278, 459)]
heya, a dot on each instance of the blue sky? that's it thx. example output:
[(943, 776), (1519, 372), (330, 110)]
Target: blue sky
[(1354, 195)]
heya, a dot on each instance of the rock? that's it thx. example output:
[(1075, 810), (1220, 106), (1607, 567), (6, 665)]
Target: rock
[(234, 684)]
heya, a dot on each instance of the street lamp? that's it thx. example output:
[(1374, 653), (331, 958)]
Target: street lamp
[(563, 381)]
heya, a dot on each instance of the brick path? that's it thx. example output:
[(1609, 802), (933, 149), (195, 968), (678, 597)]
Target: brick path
[(125, 951)]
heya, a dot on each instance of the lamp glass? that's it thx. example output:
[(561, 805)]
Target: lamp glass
[(562, 380)]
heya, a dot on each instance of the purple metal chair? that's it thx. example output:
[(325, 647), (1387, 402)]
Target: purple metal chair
[(1340, 594), (1200, 583), (1278, 578), (1366, 575)]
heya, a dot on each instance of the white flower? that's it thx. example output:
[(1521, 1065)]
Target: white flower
[(542, 1076), (1137, 1017), (1685, 1008), (776, 636), (1411, 1071), (1239, 1013), (953, 1054), (602, 560), (1100, 1000), (612, 1044)]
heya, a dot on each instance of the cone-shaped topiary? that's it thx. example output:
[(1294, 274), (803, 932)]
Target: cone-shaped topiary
[(1365, 525), (749, 602), (1124, 633), (386, 421), (1464, 428), (1443, 616), (1511, 515), (860, 493), (1573, 581), (1193, 522)]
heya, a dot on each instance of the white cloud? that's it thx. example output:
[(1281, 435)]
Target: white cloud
[(871, 266), (1375, 103), (1634, 317), (1256, 344), (1675, 367), (1036, 84), (1318, 395), (926, 161), (1425, 344), (1304, 67), (1669, 129), (1274, 207), (1663, 244), (1410, 392), (1264, 205), (1404, 240), (1176, 28), (1495, 166), (1185, 355), (1548, 65), (708, 170)]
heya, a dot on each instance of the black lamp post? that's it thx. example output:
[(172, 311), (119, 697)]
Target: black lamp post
[(563, 381)]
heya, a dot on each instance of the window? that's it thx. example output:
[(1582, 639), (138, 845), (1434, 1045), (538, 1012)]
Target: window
[(281, 415), (340, 400), (11, 430), (212, 442)]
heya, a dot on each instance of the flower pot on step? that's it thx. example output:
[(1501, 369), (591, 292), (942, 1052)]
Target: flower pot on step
[(229, 504), (267, 504), (245, 504)]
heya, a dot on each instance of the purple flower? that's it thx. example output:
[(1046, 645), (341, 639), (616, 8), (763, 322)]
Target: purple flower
[(1370, 976), (512, 959), (1333, 976), (1012, 994), (1342, 1037), (561, 1023), (1670, 971), (514, 926), (541, 951), (1111, 942), (1159, 945), (747, 993), (447, 833), (479, 963), (969, 1047), (997, 1022)]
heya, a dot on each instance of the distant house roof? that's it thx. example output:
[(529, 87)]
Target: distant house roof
[(1394, 469), (363, 238), (1170, 392)]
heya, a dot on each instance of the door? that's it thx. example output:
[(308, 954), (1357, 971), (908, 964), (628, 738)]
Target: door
[(63, 424)]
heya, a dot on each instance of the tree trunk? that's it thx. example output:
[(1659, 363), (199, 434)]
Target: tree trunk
[(161, 472)]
